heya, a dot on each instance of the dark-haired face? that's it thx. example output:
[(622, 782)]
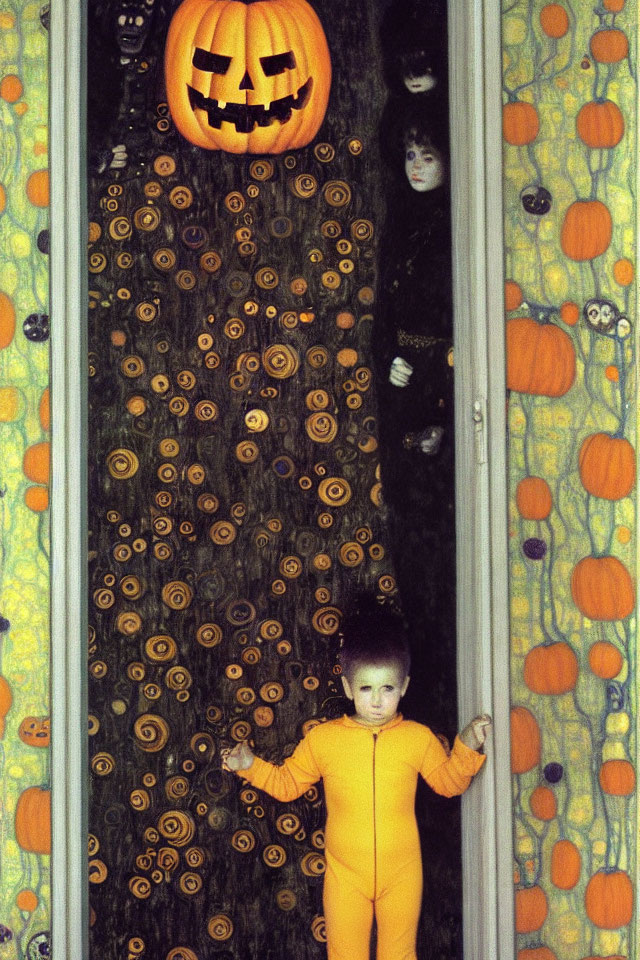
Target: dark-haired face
[(423, 165), (376, 690), (418, 73)]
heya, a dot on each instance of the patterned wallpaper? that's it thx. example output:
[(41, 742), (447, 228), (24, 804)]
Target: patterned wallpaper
[(25, 834), (570, 160)]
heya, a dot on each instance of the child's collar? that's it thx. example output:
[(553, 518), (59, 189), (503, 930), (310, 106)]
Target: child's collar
[(349, 721)]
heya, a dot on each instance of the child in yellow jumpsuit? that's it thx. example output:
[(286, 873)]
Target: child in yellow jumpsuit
[(369, 763)]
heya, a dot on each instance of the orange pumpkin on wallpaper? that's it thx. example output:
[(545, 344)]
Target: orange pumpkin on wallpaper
[(608, 899), (551, 668), (35, 731), (520, 123), (600, 124), (531, 909), (33, 820), (525, 740), (533, 498), (536, 953), (586, 230), (566, 864), (541, 358), (602, 588), (247, 77), (617, 778), (607, 466)]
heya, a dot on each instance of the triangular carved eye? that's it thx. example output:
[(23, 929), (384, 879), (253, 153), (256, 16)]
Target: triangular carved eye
[(278, 63), (211, 62)]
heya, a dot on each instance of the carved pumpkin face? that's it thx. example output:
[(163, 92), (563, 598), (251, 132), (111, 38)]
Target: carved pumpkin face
[(247, 77), (35, 731)]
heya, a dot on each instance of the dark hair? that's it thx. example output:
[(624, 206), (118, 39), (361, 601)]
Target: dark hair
[(373, 633)]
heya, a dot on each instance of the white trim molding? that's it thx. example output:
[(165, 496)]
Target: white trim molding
[(68, 232)]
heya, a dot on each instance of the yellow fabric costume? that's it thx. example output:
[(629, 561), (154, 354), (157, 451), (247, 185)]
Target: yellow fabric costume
[(371, 837)]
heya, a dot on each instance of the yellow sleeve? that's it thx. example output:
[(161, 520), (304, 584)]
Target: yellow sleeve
[(288, 780), (450, 775)]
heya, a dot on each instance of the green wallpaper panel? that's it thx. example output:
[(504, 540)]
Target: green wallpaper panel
[(24, 476), (569, 126)]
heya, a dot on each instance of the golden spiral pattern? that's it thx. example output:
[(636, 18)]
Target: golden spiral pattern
[(317, 357), (321, 427), (103, 764), (209, 634), (326, 620), (182, 953), (136, 946), (177, 827), (313, 864), (132, 367), (243, 841), (129, 622), (272, 692), (251, 655), (146, 219), (263, 716), (334, 491), (164, 165), (220, 927), (104, 598), (140, 799), (272, 629), (267, 278), (168, 859), (177, 594), (140, 887), (194, 857), (190, 883), (274, 855), (324, 152), (351, 554), (210, 261), (304, 186), (288, 823), (122, 464), (261, 170), (240, 730), (280, 361), (164, 259), (120, 228), (318, 929), (151, 732), (223, 532), (181, 198), (337, 193), (256, 421), (176, 787)]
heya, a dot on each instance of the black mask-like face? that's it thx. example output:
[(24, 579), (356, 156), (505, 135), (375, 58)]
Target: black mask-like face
[(133, 23), (601, 315), (536, 200)]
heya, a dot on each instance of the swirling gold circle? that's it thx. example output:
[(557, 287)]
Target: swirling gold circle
[(124, 260), (177, 826), (324, 152), (234, 202), (93, 844), (322, 561), (162, 551), (234, 328), (206, 410), (334, 491), (245, 696), (132, 366), (288, 823), (267, 278), (136, 405), (167, 473), (140, 887), (147, 218), (140, 799), (331, 279), (97, 262), (326, 620), (240, 731), (317, 400), (223, 532), (289, 320), (151, 732), (247, 248), (181, 197), (220, 927), (387, 583), (351, 554), (128, 623), (272, 629), (177, 594), (337, 193), (362, 230), (176, 787), (162, 526), (251, 656), (303, 186), (366, 296), (152, 189), (375, 494), (103, 598), (164, 259), (247, 452), (318, 927), (186, 279), (261, 170), (355, 146), (161, 648), (190, 883), (313, 864), (280, 361), (256, 421), (136, 671), (98, 669), (317, 356), (274, 855), (181, 953), (152, 691), (103, 764), (210, 261), (290, 567), (149, 780), (164, 165), (97, 871), (321, 427), (169, 447), (132, 587), (179, 406), (120, 228), (290, 162), (207, 503), (186, 379), (178, 678), (263, 716), (243, 841), (272, 692), (160, 383), (146, 311), (209, 634), (122, 463), (298, 286), (376, 551)]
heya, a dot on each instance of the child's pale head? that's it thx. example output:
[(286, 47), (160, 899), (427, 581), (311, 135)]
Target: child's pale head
[(375, 659)]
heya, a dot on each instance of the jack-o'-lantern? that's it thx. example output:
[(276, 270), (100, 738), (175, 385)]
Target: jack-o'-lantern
[(247, 76), (35, 731)]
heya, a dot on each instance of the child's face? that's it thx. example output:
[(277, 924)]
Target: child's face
[(423, 166), (376, 692)]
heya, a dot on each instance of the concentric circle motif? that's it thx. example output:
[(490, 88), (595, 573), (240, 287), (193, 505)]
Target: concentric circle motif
[(210, 261), (321, 427), (177, 826), (223, 532), (209, 634), (280, 361), (326, 620), (151, 732), (120, 228), (283, 467), (351, 554), (220, 926), (334, 491), (274, 855), (261, 170), (234, 202), (256, 421), (324, 152), (281, 227), (267, 278), (181, 198), (313, 864), (164, 259), (177, 594), (337, 193), (317, 357), (362, 230), (122, 464), (147, 219), (243, 841), (247, 451), (272, 692), (240, 613), (303, 186)]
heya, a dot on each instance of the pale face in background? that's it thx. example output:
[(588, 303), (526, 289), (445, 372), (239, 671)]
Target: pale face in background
[(376, 692), (421, 83), (423, 166)]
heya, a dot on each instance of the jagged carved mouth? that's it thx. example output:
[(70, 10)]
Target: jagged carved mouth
[(131, 43), (247, 116)]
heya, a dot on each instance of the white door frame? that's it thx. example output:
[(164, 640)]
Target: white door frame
[(481, 498)]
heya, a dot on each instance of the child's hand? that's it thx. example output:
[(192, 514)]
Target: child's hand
[(240, 758), (475, 732)]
